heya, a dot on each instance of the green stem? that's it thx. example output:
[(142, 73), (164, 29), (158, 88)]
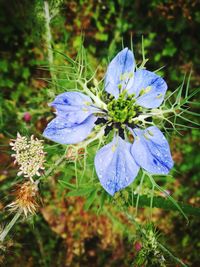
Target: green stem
[(151, 203), (48, 39), (98, 135), (164, 249), (96, 99), (10, 225), (138, 196), (56, 164)]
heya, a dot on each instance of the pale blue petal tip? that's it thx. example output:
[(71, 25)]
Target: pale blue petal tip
[(151, 151), (62, 132), (122, 63), (73, 106), (149, 89), (115, 166)]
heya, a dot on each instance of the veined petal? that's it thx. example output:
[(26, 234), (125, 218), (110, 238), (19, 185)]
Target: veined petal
[(119, 75), (115, 165), (74, 106), (151, 151), (60, 131), (149, 88)]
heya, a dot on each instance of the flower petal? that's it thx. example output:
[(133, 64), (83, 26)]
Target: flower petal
[(151, 151), (115, 165), (62, 132), (74, 106), (149, 88), (120, 72)]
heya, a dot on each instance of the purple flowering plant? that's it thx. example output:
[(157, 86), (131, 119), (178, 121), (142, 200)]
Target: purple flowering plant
[(131, 98)]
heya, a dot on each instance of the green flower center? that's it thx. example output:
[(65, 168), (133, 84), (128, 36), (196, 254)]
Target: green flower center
[(123, 109)]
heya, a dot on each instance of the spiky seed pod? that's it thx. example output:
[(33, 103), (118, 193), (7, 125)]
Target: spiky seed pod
[(149, 252), (26, 199)]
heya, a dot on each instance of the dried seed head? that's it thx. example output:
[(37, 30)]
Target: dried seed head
[(73, 153), (26, 198), (29, 155)]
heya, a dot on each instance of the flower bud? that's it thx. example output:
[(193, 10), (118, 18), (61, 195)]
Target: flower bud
[(27, 117), (137, 246)]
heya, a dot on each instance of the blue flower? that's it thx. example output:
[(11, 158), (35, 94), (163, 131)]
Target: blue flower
[(74, 120), (129, 94)]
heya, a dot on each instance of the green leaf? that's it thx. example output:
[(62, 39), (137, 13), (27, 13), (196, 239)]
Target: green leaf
[(67, 185), (80, 192), (162, 203), (168, 196), (101, 36), (90, 200), (103, 198), (71, 61)]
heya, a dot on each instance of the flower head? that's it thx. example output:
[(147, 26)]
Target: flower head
[(130, 94), (29, 155)]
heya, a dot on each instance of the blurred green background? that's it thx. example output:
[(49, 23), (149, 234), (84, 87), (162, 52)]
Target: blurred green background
[(60, 234)]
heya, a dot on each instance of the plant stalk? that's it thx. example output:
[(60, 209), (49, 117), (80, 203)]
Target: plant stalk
[(177, 260), (48, 40), (10, 225)]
